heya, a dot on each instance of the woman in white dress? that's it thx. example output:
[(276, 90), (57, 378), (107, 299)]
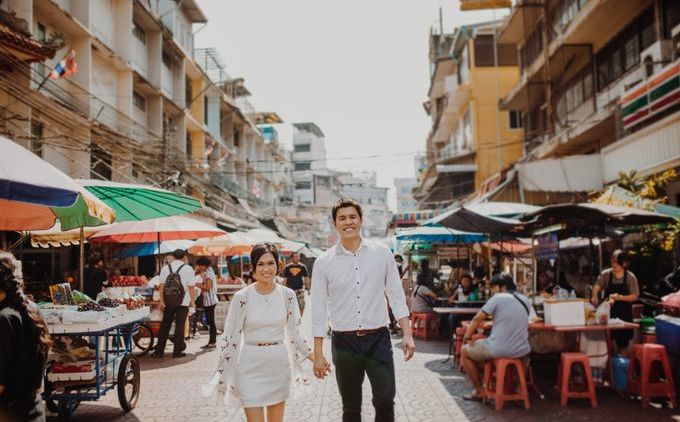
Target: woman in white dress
[(261, 348)]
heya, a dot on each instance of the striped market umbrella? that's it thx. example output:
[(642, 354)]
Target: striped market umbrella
[(140, 202)]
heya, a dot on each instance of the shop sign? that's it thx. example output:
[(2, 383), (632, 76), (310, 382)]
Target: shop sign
[(546, 246), (658, 93), (484, 4)]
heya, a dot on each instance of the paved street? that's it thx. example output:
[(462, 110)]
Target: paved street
[(427, 390)]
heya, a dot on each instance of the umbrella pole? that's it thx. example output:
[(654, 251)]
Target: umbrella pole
[(158, 255), (82, 259), (488, 254)]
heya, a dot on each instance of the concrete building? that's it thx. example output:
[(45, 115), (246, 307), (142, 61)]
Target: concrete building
[(404, 191), (309, 164), (470, 140), (144, 105), (598, 91)]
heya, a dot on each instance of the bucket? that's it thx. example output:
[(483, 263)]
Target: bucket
[(620, 367)]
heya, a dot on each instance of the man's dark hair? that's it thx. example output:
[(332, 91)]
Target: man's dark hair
[(346, 203), (465, 275), (204, 261), (179, 254), (398, 257), (504, 280)]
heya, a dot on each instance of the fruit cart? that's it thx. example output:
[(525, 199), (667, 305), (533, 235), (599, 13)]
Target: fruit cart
[(113, 367)]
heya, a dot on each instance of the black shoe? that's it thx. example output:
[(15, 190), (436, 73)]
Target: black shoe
[(179, 355), (156, 355)]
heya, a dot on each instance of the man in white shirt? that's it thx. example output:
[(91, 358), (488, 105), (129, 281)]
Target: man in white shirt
[(178, 314), (350, 283)]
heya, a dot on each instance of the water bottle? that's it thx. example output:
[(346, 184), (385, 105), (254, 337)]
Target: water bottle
[(572, 295), (460, 293)]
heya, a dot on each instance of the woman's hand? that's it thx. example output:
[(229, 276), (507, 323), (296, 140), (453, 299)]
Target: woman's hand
[(614, 297)]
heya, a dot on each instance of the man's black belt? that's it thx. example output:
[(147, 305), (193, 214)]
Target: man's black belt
[(360, 333)]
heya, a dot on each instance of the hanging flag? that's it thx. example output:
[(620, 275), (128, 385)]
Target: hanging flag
[(209, 148), (67, 66), (257, 189)]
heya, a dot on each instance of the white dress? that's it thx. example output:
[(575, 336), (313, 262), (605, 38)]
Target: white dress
[(263, 374), (249, 375)]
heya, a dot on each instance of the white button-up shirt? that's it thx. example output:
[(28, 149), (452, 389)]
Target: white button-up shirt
[(351, 288)]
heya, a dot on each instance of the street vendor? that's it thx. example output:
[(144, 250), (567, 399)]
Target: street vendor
[(23, 349), (95, 277), (620, 286)]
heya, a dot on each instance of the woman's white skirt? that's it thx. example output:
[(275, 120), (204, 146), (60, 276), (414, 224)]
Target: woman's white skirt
[(263, 375)]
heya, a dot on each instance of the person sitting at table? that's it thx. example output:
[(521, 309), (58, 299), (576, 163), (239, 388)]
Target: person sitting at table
[(466, 291), (424, 299), (620, 287), (561, 282), (425, 276), (509, 337)]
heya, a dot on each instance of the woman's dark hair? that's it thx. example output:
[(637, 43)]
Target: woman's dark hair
[(504, 280), (94, 259), (425, 264), (425, 276), (204, 261), (9, 283), (260, 250), (620, 257)]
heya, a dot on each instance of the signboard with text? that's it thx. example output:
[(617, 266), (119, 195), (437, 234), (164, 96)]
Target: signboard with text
[(547, 246)]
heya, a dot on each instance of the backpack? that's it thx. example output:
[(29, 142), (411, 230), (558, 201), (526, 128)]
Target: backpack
[(173, 290)]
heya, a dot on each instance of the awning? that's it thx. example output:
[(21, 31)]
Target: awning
[(438, 235), (578, 173), (456, 168)]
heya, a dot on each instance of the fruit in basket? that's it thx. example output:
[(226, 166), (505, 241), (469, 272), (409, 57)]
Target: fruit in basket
[(132, 302), (108, 303), (80, 298), (91, 306), (127, 280)]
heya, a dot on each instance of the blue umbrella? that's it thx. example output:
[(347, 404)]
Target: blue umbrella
[(439, 235), (145, 249)]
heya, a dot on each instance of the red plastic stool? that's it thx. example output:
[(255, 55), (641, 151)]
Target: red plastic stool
[(648, 338), (458, 343), (640, 371), (498, 383), (425, 324), (567, 362)]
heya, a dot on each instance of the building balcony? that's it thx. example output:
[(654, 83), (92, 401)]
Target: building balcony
[(457, 99)]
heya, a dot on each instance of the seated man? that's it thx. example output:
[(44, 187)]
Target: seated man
[(510, 333)]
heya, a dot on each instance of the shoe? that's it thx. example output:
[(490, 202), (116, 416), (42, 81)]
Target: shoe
[(156, 355), (209, 346), (179, 355)]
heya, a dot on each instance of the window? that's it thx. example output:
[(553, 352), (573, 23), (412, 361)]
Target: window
[(167, 61), (303, 185), (100, 163), (138, 32), (237, 138), (189, 144), (623, 51), (484, 52), (205, 110), (671, 16), (303, 166), (139, 101), (515, 119), (40, 35), (35, 144), (302, 148)]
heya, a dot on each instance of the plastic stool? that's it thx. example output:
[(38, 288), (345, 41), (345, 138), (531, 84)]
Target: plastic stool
[(458, 343), (567, 362), (648, 338), (424, 324), (497, 387), (639, 373)]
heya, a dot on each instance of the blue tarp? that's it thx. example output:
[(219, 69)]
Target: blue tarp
[(439, 235), (145, 249)]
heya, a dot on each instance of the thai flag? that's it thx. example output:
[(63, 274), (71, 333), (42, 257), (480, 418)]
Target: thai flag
[(67, 66)]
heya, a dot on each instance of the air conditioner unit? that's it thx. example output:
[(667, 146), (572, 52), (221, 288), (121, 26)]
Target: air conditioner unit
[(661, 52)]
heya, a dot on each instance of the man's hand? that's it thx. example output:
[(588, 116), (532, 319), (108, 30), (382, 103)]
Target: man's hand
[(321, 366), (162, 306), (409, 346)]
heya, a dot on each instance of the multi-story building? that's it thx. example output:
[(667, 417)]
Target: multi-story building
[(470, 140), (143, 105), (598, 91), (309, 163), (404, 191)]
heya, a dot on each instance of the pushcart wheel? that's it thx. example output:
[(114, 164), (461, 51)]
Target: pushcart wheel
[(66, 409), (144, 339), (128, 382)]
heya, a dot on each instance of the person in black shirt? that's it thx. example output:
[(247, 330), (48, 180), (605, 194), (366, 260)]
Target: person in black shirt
[(297, 279), (24, 344), (95, 276)]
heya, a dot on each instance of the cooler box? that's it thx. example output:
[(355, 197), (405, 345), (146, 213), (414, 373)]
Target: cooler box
[(668, 333), (562, 313)]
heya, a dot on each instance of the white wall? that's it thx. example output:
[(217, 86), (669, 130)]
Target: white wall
[(103, 22), (105, 88)]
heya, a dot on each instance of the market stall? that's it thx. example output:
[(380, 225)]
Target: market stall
[(92, 352)]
